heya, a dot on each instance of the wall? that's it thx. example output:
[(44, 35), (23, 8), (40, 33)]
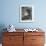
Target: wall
[(10, 13)]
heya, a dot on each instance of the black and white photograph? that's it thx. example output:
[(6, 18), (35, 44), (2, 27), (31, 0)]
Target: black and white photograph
[(26, 13)]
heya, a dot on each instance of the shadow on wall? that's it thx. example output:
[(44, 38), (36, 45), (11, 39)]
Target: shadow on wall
[(2, 26)]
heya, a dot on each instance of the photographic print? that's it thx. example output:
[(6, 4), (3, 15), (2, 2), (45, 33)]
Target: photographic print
[(26, 13)]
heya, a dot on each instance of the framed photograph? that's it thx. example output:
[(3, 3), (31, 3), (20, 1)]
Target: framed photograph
[(26, 13)]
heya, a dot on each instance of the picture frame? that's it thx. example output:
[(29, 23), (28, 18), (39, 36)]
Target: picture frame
[(26, 13)]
